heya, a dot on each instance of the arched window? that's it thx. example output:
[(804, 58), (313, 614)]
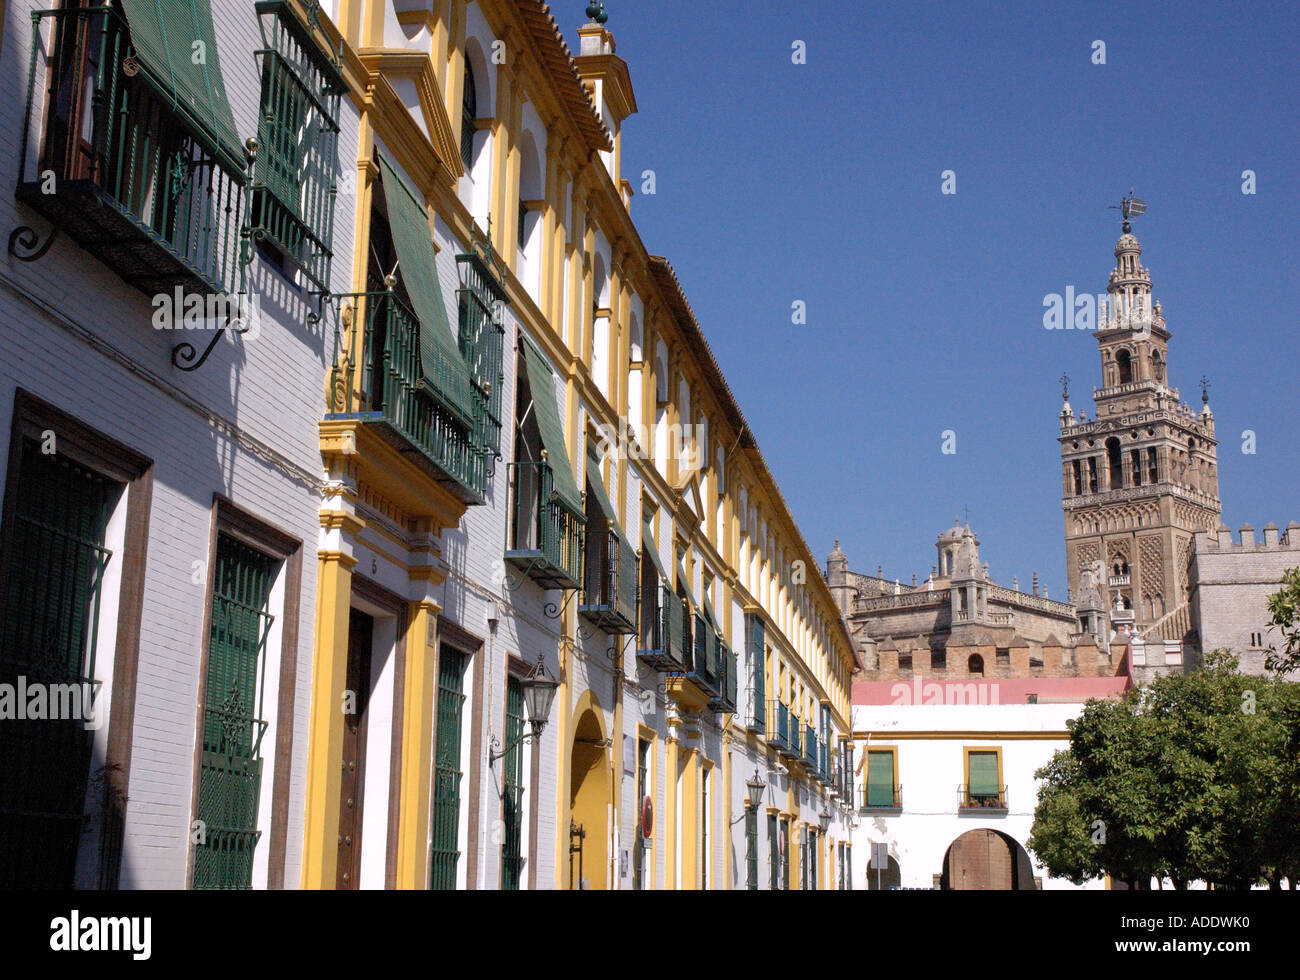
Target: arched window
[(468, 113), (1125, 363), (975, 665), (1116, 463)]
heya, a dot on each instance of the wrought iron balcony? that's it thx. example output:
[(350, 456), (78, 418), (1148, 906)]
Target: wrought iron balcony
[(988, 800), (667, 637), (545, 537), (701, 666), (780, 726), (609, 596), (725, 701), (811, 749), (377, 378), (130, 175), (882, 797)]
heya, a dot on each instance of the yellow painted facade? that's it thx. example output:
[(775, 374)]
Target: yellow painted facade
[(627, 350)]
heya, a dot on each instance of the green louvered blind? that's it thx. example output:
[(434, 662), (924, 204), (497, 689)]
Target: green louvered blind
[(230, 774), (983, 775), (756, 641), (541, 380), (176, 47), (446, 770), (751, 848), (49, 618), (773, 854), (880, 779), (512, 861), (444, 368)]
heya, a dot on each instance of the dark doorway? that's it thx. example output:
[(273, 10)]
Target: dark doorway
[(361, 629)]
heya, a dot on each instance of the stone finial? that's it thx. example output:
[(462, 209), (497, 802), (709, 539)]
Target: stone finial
[(1035, 583), (596, 12)]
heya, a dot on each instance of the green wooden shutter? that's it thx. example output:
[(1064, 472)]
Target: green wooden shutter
[(983, 775), (751, 848), (443, 366), (230, 773), (541, 380), (49, 618), (880, 779), (512, 863), (757, 666), (773, 854), (447, 772), (166, 35)]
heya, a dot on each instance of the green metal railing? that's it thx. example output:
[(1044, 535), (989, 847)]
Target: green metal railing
[(668, 640), (294, 182), (377, 377), (545, 538), (811, 749), (481, 300), (136, 179), (49, 620), (725, 699), (779, 725), (512, 795), (609, 591), (445, 845)]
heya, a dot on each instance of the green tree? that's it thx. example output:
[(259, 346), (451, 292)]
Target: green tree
[(1284, 607), (1193, 777)]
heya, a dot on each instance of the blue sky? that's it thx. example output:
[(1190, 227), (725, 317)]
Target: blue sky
[(821, 182)]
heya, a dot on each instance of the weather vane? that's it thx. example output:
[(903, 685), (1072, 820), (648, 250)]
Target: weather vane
[(1065, 387), (1130, 207), (1205, 390)]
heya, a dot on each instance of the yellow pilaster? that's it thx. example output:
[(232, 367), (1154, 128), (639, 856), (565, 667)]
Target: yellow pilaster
[(325, 731), (672, 777), (726, 808), (418, 720)]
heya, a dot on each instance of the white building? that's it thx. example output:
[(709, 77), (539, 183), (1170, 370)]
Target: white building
[(946, 777)]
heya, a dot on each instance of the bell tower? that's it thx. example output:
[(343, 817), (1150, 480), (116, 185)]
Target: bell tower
[(1141, 478)]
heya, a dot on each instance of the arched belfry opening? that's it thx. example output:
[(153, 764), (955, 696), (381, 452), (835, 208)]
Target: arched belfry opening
[(1124, 362)]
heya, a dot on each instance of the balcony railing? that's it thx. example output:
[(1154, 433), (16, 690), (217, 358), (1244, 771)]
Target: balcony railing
[(779, 725), (983, 800), (701, 668), (545, 537), (377, 378), (128, 174), (725, 701), (882, 797), (609, 593), (812, 750), (665, 643)]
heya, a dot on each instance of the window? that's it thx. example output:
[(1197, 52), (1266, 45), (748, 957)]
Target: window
[(446, 769), (773, 853), (1115, 462), (881, 778), (480, 304), (294, 183), (983, 779), (1002, 657), (939, 658), (468, 115), (230, 772), (1092, 474), (642, 795), (522, 240), (1078, 477), (751, 847), (975, 665), (56, 558), (512, 860), (905, 661), (786, 881)]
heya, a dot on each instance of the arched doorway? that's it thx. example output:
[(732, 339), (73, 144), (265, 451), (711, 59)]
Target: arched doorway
[(986, 860), (589, 800)]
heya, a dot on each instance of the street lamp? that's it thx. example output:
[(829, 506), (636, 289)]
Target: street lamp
[(756, 785), (824, 818), (539, 691)]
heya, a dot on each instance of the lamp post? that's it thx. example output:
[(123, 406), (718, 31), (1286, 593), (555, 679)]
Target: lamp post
[(756, 784), (539, 691)]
